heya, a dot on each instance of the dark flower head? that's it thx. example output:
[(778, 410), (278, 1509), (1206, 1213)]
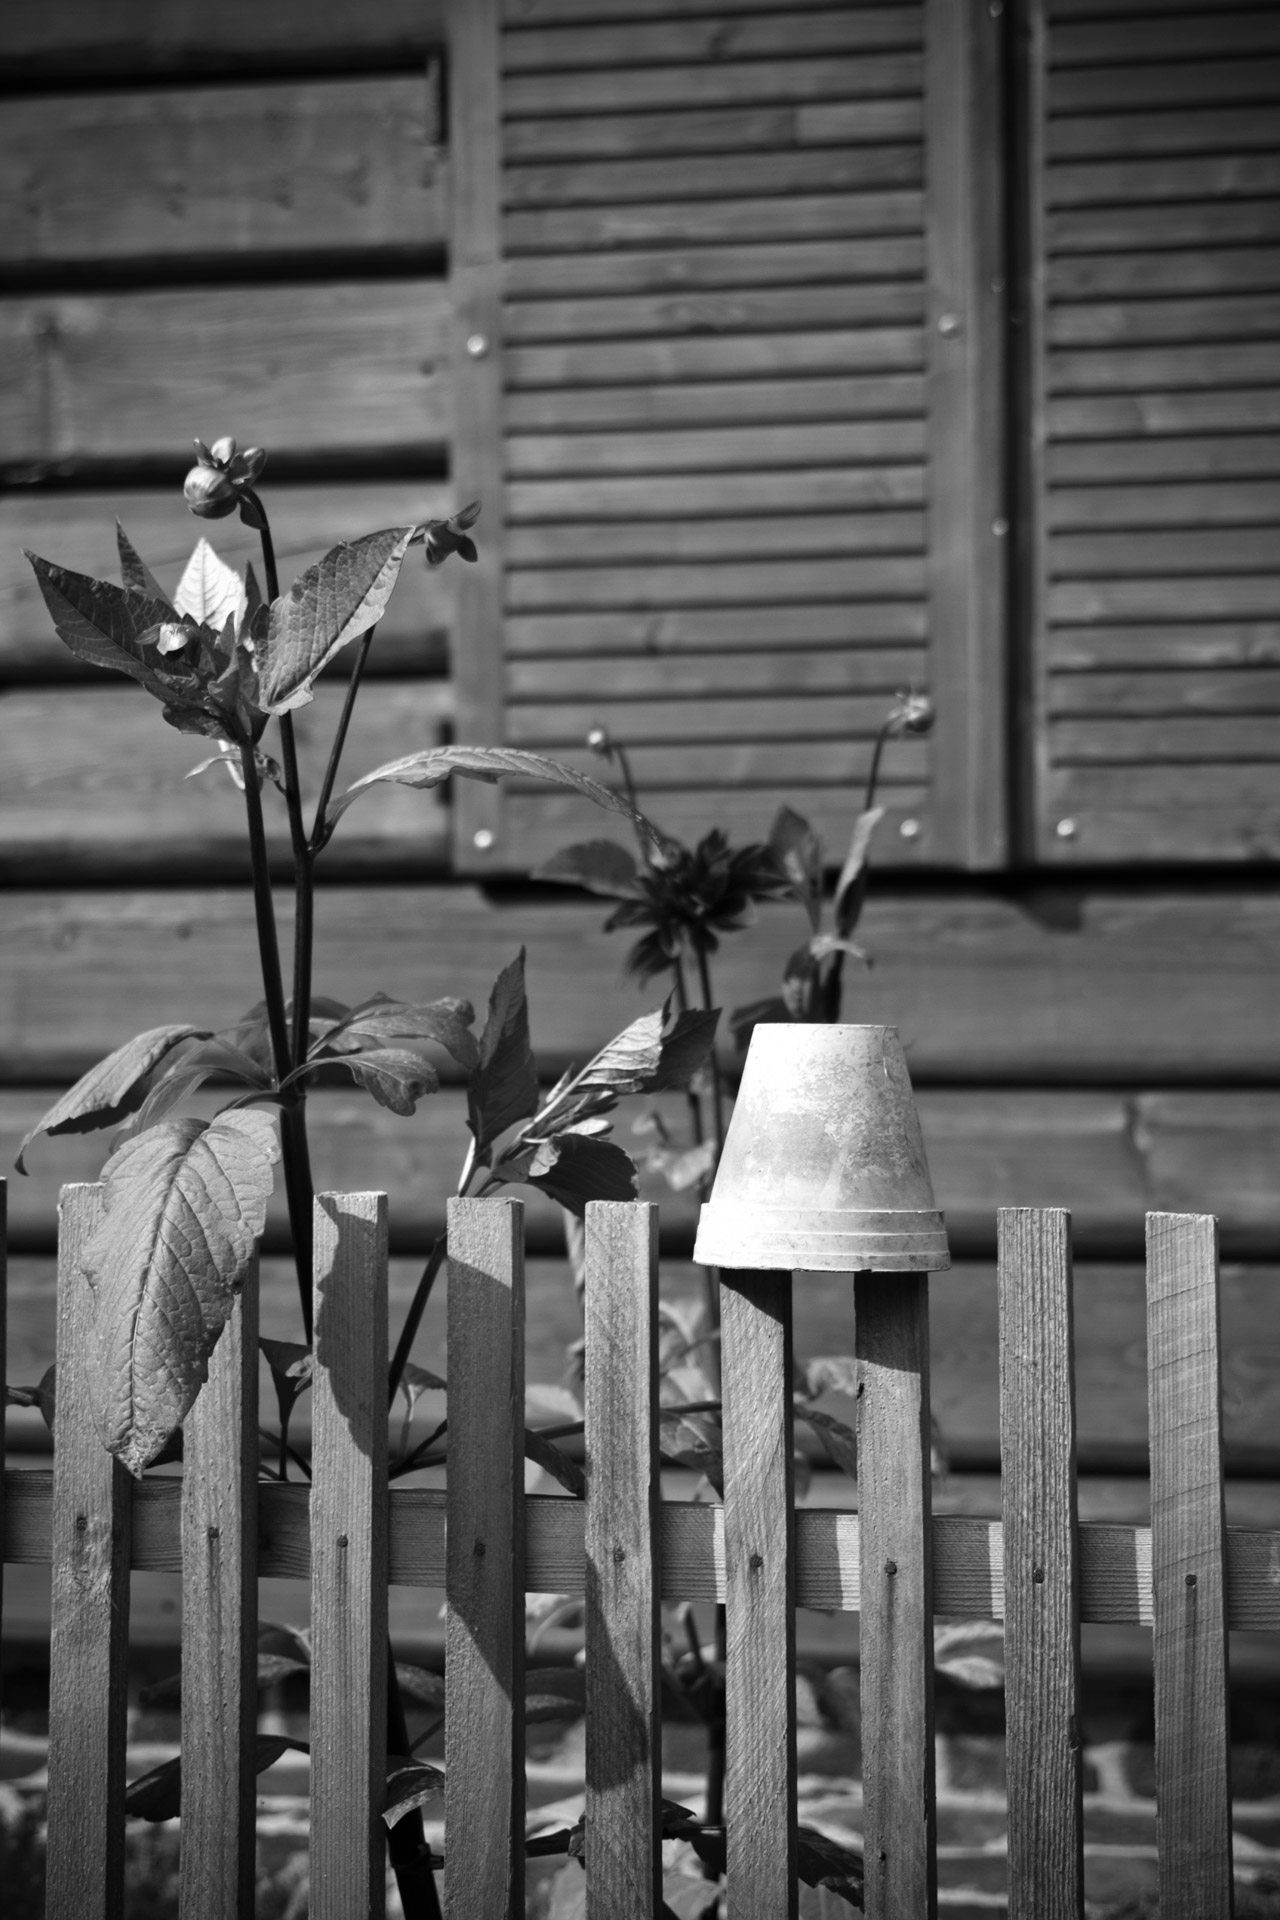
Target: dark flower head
[(690, 896), (444, 537)]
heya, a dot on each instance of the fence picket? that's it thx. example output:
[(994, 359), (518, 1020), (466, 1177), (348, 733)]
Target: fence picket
[(484, 1645), (89, 1641), (1041, 1574), (349, 1563), (891, 1313), (219, 1625), (4, 1355), (759, 1552), (1184, 1384), (623, 1854)]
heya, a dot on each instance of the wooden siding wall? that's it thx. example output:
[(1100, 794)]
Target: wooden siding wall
[(1109, 1040)]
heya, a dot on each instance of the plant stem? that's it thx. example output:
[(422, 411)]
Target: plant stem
[(413, 1319), (318, 834), (407, 1840), (717, 1089)]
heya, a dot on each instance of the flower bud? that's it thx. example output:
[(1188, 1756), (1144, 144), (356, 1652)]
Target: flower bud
[(209, 493), (919, 714), (251, 463), (599, 742), (224, 450)]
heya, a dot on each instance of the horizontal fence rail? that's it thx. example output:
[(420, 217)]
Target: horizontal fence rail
[(624, 1550)]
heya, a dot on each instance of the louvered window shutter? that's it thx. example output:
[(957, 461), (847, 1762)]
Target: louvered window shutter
[(728, 376), (1154, 371)]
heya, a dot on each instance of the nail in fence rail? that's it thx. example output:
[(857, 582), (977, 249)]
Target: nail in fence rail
[(1186, 1572), (220, 1625), (1184, 1374), (623, 1811), (89, 1638), (485, 1584), (1041, 1584)]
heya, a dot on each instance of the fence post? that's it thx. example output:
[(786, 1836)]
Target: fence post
[(219, 1624), (484, 1573), (89, 1640), (891, 1312), (624, 1730), (349, 1562), (1041, 1577), (1184, 1383)]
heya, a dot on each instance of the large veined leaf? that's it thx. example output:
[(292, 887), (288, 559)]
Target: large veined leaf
[(504, 1085), (157, 1795), (375, 1021), (210, 591), (575, 1167), (659, 1051), (395, 1077), (597, 866), (183, 1206), (113, 1088), (331, 603), (103, 624), (798, 851), (434, 765), (135, 573)]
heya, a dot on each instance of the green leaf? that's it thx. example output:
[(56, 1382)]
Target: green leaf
[(504, 1085), (825, 1863), (798, 852), (102, 624), (598, 866), (113, 1088), (395, 1077), (136, 574), (332, 602), (574, 1167), (448, 1022), (840, 1441), (210, 592), (410, 1784), (183, 1206), (434, 765), (660, 1051), (851, 887), (157, 1795)]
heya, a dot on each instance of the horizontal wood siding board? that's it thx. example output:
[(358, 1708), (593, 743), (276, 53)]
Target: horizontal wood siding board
[(1143, 742), (777, 717), (787, 262), (50, 40), (720, 449), (817, 397), (681, 41), (1239, 596), (1207, 551), (1234, 318), (836, 670), (1197, 223), (596, 182), (77, 530), (1163, 692), (810, 216), (712, 129), (1155, 456), (1185, 504), (699, 629), (1211, 32), (648, 497), (833, 536), (718, 311), (301, 370), (713, 83), (1139, 183), (1191, 83), (859, 578), (1209, 644), (1127, 136), (1142, 369), (719, 768), (830, 351), (1214, 270), (183, 173)]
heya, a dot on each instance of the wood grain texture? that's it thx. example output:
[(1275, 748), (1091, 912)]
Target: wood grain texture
[(759, 1580), (1193, 1786), (485, 1571), (752, 267), (4, 1353), (1041, 1578), (478, 358), (891, 1314), (297, 369), (48, 40), (220, 1625), (349, 1563), (536, 47), (966, 380), (308, 167), (77, 530), (622, 1574), (89, 1639), (1115, 1556), (716, 83)]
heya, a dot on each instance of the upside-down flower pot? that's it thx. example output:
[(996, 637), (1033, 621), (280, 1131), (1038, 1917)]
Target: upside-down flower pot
[(823, 1168)]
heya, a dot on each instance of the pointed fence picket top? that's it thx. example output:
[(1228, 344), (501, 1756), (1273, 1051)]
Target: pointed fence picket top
[(622, 1550)]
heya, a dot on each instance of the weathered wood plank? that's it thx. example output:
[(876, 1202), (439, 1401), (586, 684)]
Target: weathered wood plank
[(835, 352), (1193, 1788), (1237, 316), (1203, 644), (4, 1351), (349, 1557), (717, 309), (1136, 183), (609, 182), (1192, 224), (778, 718), (1193, 83), (1127, 135), (318, 166), (89, 1645), (1165, 740), (484, 1734), (759, 1559), (824, 534), (1180, 368), (479, 367), (785, 262), (1204, 550), (1186, 272), (1052, 986), (1197, 690), (750, 129), (78, 530), (1211, 32), (662, 770), (1106, 1156), (698, 402), (1133, 456), (966, 336), (622, 1575), (896, 1593), (50, 40), (852, 443), (219, 1625), (810, 216), (887, 669), (813, 490), (1140, 812), (685, 41), (860, 578), (296, 369), (1041, 1578), (1186, 504), (1222, 597), (94, 781), (631, 87)]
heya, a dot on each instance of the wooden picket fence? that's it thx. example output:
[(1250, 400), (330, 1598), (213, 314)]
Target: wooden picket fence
[(625, 1549)]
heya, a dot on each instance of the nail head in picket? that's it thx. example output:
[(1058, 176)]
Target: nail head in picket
[(823, 1168)]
